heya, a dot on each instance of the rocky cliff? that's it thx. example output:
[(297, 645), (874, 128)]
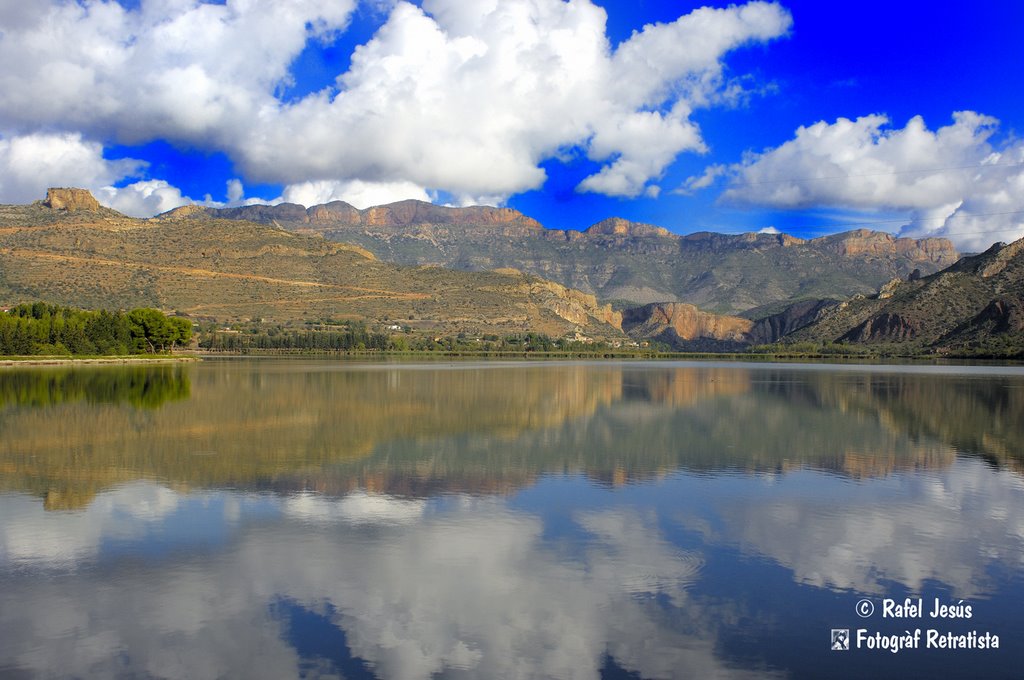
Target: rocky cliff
[(774, 327), (616, 226), (70, 199), (684, 327)]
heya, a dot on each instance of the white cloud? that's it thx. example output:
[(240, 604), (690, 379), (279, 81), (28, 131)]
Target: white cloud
[(159, 71), (678, 63), (470, 97), (236, 191), (356, 192), (952, 180), (142, 199), (768, 230), (29, 164), (704, 180), (463, 97)]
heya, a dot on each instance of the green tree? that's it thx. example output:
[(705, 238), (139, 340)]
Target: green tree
[(150, 328), (182, 330)]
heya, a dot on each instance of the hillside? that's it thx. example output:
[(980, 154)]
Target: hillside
[(975, 305), (684, 327), (230, 270), (749, 274)]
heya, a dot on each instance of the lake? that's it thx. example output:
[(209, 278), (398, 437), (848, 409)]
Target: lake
[(281, 518)]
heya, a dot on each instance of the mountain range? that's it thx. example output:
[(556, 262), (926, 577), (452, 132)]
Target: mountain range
[(622, 262), (704, 292)]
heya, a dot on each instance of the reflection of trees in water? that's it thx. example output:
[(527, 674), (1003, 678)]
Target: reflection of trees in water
[(421, 431), (141, 386), (249, 424)]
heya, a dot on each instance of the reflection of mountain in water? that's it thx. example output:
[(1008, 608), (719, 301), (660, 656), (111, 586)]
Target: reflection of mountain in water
[(694, 418), (249, 423), (492, 428)]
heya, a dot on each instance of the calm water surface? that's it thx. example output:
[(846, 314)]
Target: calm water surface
[(294, 518)]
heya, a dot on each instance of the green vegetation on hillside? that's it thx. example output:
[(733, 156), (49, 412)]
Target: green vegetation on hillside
[(44, 329), (356, 337)]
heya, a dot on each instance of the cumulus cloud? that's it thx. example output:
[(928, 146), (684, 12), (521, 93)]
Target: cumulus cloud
[(142, 199), (463, 97), (31, 163), (355, 192), (470, 97), (952, 181), (158, 71)]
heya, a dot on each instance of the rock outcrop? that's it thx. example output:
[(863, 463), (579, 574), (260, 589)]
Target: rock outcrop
[(685, 327), (876, 243), (339, 214), (69, 199), (575, 307), (885, 327), (616, 226), (798, 315)]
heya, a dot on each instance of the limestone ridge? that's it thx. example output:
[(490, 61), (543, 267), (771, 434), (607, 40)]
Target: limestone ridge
[(342, 214), (618, 260), (60, 198)]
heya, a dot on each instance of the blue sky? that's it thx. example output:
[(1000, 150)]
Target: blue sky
[(804, 116)]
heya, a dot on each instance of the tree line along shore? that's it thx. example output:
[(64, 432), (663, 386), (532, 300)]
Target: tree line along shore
[(43, 333)]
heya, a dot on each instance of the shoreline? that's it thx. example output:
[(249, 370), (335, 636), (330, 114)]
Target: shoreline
[(10, 362)]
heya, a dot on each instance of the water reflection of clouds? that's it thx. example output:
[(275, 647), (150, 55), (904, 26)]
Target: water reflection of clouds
[(434, 593), (357, 507), (60, 539), (457, 586), (951, 527)]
